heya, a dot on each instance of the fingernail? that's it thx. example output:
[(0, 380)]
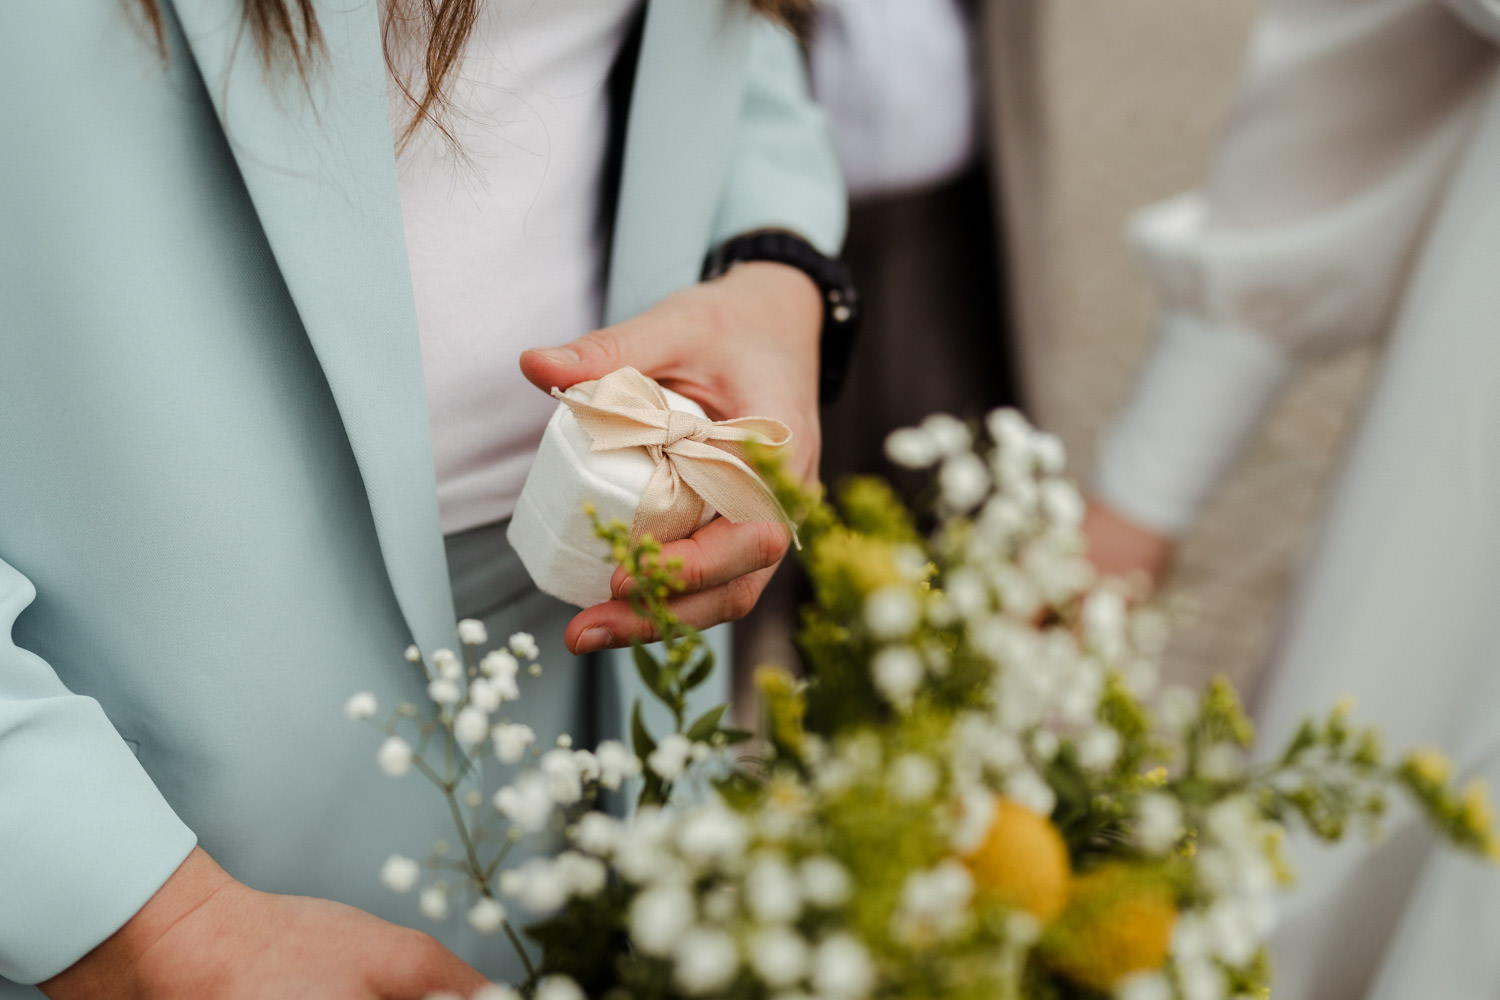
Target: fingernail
[(595, 639), (559, 355)]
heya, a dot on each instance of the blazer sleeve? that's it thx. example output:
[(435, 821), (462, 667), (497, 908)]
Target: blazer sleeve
[(784, 173), (85, 836), (1349, 122)]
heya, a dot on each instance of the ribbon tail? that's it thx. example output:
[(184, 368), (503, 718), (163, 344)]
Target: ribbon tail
[(669, 508), (730, 486)]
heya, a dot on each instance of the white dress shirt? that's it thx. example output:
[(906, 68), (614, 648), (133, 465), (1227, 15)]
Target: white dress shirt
[(1347, 129)]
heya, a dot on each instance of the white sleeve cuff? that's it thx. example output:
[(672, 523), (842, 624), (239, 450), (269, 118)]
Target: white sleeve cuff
[(1197, 403)]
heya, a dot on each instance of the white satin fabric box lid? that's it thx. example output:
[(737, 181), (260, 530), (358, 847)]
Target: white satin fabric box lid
[(549, 529)]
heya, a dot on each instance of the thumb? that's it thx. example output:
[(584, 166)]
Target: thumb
[(595, 355)]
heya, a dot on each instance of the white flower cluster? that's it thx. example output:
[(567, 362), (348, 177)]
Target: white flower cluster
[(1016, 583), (749, 922), (468, 694)]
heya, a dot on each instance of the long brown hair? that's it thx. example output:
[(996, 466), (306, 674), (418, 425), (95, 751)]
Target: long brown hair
[(289, 29)]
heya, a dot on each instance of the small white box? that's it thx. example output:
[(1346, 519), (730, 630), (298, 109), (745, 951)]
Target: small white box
[(549, 529)]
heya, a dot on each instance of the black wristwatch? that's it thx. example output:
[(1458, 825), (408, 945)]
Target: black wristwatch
[(840, 299)]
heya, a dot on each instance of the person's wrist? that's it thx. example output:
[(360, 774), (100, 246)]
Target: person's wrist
[(127, 962), (839, 309), (1120, 546), (790, 292)]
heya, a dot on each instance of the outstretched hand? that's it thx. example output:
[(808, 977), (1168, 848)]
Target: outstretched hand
[(743, 344), (208, 937)]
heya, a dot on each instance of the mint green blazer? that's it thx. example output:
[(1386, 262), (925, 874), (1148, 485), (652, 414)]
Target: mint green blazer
[(217, 511)]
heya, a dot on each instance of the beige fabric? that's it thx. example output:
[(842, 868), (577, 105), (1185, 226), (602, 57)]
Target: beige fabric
[(700, 463)]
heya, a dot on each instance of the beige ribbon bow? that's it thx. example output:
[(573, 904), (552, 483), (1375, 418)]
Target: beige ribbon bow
[(698, 461)]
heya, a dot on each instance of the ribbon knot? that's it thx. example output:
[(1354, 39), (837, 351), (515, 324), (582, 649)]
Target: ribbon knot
[(700, 463), (682, 425)]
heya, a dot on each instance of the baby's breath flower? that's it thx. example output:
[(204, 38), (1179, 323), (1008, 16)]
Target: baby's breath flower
[(512, 740), (912, 448), (711, 833), (1158, 823), (487, 916), (897, 673), (963, 481), (558, 988), (499, 663), (616, 763), (413, 654), (658, 917), (1027, 788), (1062, 504), (892, 612), (597, 833), (934, 902), (361, 706), (471, 632), (444, 691), (1104, 623), (778, 956), (969, 591), (705, 961), (433, 902), (670, 758), (447, 664), (771, 891), (470, 726), (913, 777), (485, 694), (400, 874), (842, 969), (580, 874), (1099, 748), (524, 646), (494, 991), (538, 885), (1145, 986), (824, 882), (394, 756), (950, 434), (527, 803), (1049, 452), (564, 781)]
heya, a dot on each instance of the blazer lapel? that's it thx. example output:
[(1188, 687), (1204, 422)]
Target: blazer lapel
[(318, 162), (684, 108)]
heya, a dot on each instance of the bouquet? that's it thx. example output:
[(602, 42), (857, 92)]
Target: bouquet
[(979, 790)]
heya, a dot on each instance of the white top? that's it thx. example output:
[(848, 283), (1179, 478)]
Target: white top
[(505, 238), (1346, 131), (899, 81)]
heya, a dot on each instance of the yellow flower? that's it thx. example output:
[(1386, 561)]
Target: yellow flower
[(869, 564), (1430, 765), (1475, 810), (1118, 922), (1022, 862), (784, 706)]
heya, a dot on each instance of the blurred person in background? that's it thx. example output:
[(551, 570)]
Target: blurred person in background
[(931, 106), (934, 111), (1354, 195), (268, 267)]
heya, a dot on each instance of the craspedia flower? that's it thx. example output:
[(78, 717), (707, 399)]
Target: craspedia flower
[(1118, 923), (1022, 862)]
